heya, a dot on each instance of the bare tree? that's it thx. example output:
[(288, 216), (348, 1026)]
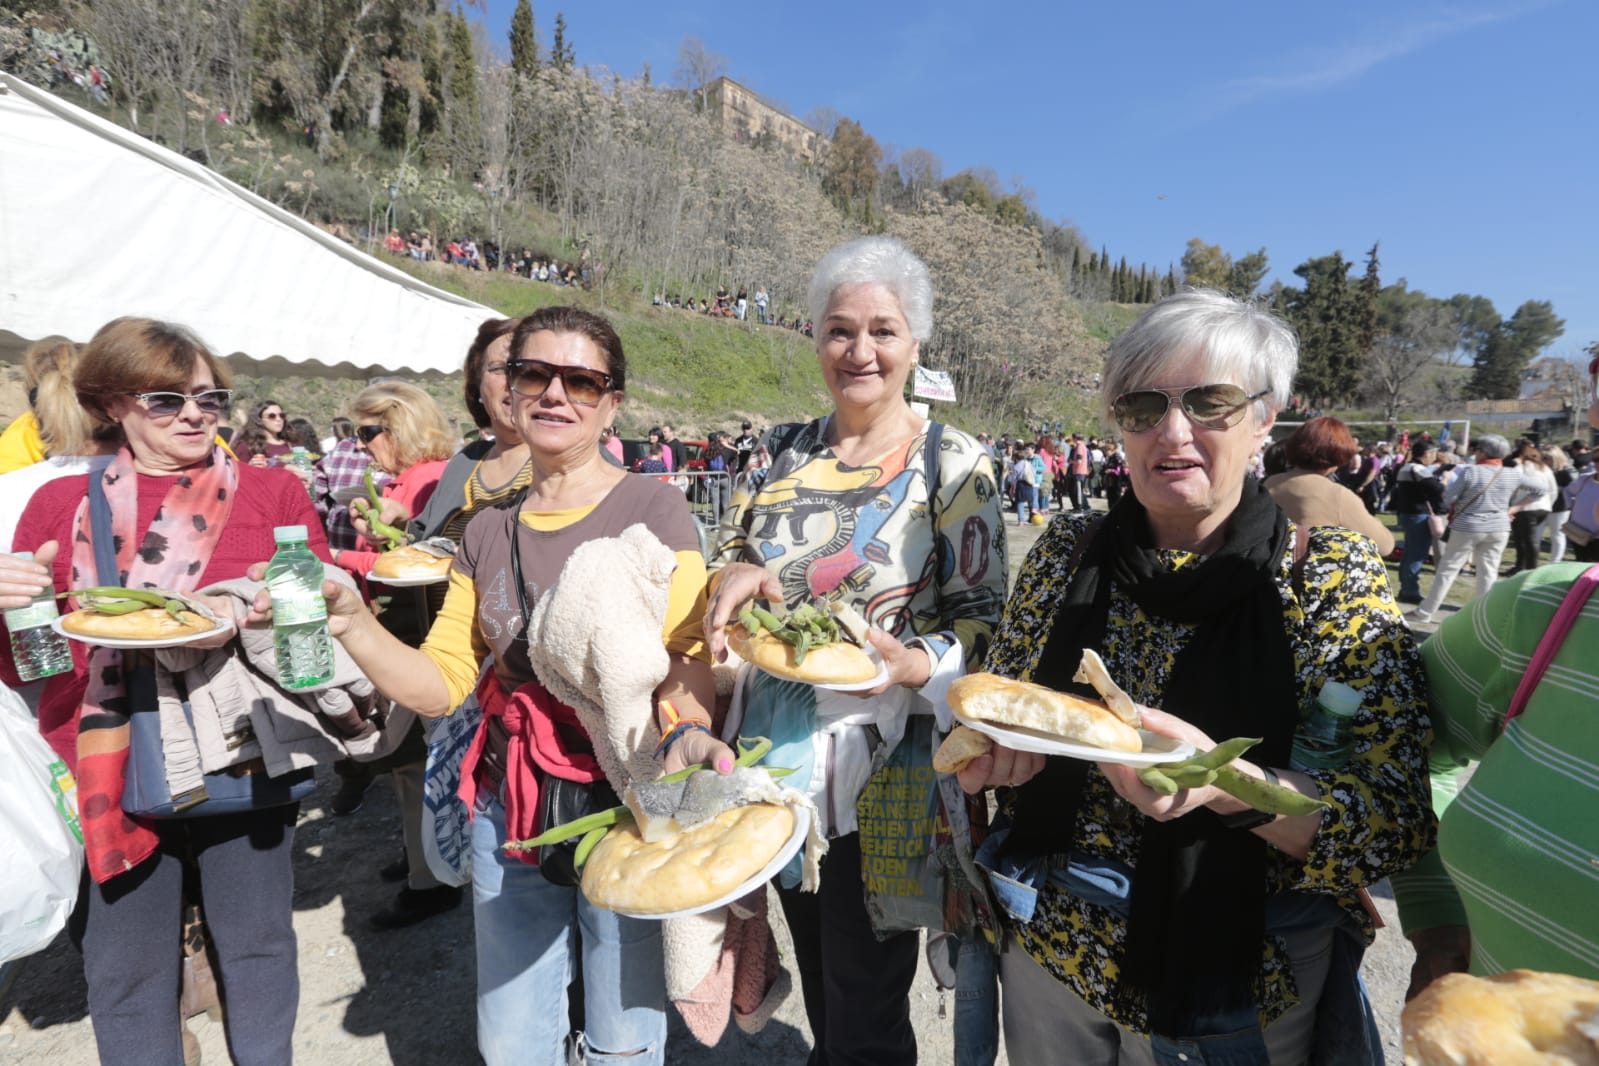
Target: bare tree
[(697, 67), (1395, 363)]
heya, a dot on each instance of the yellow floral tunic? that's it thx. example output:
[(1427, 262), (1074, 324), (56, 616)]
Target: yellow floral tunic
[(1343, 626)]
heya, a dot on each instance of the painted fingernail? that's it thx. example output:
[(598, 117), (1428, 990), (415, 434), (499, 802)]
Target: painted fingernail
[(724, 765)]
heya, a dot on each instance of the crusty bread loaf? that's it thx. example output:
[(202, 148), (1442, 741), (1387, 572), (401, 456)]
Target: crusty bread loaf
[(839, 663), (151, 623), (1024, 705), (1516, 1018), (411, 563), (687, 869)]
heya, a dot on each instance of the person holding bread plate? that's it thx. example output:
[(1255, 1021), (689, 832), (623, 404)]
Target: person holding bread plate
[(1159, 912), (566, 373), (861, 576)]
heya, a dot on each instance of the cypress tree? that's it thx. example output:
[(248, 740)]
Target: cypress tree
[(463, 86), (524, 43), (1370, 288), (561, 55)]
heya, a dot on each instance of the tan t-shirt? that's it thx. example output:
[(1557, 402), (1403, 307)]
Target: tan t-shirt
[(497, 626)]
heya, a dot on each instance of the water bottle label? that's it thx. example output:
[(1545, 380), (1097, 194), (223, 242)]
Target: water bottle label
[(299, 609), (31, 616)]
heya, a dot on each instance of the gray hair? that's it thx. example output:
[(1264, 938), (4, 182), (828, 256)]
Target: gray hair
[(1238, 341), (881, 260), (1491, 445)]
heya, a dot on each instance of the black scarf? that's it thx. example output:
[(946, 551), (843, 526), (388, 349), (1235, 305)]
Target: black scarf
[(1198, 894)]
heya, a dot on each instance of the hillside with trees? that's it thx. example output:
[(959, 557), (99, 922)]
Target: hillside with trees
[(367, 115)]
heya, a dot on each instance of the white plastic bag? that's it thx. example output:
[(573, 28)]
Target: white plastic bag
[(41, 842)]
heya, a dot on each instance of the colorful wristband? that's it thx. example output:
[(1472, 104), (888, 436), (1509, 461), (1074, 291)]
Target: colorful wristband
[(671, 736)]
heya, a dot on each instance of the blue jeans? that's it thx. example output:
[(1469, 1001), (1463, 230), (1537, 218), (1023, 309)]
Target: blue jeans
[(524, 926), (1418, 540), (1026, 501)]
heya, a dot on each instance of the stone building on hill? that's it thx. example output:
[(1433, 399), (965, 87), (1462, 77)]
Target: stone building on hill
[(744, 116)]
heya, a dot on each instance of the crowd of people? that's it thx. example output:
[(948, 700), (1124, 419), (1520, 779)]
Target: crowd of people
[(465, 252), (1095, 917)]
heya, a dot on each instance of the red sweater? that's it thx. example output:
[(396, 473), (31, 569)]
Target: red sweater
[(265, 498)]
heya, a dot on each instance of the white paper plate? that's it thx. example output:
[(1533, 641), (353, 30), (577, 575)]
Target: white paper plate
[(796, 840), (1157, 749), (116, 642), (349, 494), (850, 686), (409, 582)]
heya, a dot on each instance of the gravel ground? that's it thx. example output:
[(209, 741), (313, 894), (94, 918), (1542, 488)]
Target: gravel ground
[(406, 998)]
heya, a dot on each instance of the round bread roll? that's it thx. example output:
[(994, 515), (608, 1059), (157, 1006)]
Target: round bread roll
[(411, 563), (838, 663), (151, 623), (1024, 705), (688, 869), (1516, 1018)]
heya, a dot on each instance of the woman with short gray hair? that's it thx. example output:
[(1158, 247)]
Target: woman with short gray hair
[(1144, 926), (1478, 498), (875, 507)]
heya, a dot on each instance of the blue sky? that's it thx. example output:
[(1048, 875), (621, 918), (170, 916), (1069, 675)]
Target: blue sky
[(1460, 135)]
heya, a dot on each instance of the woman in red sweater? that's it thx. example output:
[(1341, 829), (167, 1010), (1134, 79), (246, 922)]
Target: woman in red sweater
[(183, 515)]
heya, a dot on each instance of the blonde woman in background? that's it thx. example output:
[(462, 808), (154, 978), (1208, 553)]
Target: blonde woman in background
[(408, 436), (1554, 526), (69, 441)]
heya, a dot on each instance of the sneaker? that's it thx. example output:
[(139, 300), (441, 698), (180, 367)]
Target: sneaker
[(350, 795), (1408, 597), (1417, 618), (414, 905)]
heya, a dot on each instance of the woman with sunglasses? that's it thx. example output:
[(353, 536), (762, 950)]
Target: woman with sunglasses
[(1143, 926), (899, 518), (182, 515), (483, 474), (265, 429), (567, 381)]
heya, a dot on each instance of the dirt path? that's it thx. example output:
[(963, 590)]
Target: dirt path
[(406, 998)]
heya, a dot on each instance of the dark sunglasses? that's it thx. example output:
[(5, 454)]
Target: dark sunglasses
[(1209, 406), (368, 434), (170, 404), (531, 378)]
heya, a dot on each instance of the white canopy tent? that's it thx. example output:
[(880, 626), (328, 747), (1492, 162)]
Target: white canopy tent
[(97, 222)]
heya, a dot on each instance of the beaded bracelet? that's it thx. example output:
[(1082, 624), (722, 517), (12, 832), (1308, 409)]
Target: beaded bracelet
[(671, 736)]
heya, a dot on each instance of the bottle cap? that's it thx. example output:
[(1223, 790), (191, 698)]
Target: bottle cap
[(25, 556), (288, 534), (1338, 698), (298, 449)]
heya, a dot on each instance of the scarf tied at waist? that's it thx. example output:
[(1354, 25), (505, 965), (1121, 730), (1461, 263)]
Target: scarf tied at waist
[(542, 733)]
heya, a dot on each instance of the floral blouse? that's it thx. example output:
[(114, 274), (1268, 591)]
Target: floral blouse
[(1343, 625)]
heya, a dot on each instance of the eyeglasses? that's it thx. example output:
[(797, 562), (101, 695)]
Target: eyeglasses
[(1208, 406), (368, 434), (497, 368), (531, 378), (273, 415), (170, 404)]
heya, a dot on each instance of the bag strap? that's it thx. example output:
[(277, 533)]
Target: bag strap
[(105, 552), (1570, 608)]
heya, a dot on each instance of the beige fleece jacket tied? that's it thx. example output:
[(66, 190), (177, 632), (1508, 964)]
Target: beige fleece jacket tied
[(237, 712)]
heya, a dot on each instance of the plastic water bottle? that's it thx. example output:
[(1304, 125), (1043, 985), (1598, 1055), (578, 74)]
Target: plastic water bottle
[(37, 650), (300, 459), (1326, 736), (299, 613)]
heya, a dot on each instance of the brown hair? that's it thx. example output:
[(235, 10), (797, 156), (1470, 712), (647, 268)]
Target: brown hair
[(417, 427), (1320, 443), (490, 331), (129, 355), (584, 324)]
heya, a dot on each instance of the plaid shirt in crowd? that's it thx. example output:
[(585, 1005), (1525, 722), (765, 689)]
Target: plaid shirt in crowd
[(342, 468)]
